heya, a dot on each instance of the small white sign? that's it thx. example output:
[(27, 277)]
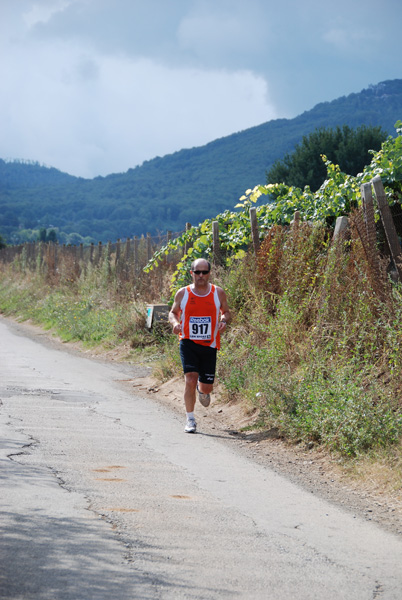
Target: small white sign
[(150, 316)]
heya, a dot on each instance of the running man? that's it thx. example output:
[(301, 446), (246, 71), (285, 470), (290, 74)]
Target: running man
[(199, 313)]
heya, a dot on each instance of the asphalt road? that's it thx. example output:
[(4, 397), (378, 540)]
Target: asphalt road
[(103, 496)]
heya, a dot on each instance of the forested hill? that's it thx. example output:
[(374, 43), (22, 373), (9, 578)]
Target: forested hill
[(187, 186)]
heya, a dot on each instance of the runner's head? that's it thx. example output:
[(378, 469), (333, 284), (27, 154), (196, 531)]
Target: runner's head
[(200, 264), (200, 270)]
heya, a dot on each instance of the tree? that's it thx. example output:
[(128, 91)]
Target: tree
[(344, 146), (44, 236), (52, 236)]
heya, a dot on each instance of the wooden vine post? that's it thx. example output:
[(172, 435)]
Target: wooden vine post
[(108, 256), (135, 254), (254, 229), (187, 244), (149, 247), (168, 240), (296, 220), (371, 230), (389, 226), (99, 259), (215, 244), (118, 252), (127, 250)]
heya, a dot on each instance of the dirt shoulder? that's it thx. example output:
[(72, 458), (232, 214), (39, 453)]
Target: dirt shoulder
[(312, 469)]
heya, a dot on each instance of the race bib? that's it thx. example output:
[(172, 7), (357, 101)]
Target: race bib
[(200, 328)]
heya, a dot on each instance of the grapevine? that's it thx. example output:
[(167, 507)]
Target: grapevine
[(336, 197)]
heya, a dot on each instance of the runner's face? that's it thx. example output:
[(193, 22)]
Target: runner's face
[(200, 278)]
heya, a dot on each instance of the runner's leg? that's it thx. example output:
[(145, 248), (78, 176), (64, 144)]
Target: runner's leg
[(190, 381)]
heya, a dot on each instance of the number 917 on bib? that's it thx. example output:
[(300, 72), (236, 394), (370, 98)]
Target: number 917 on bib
[(200, 328)]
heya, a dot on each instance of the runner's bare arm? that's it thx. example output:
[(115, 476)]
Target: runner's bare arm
[(175, 312), (225, 312)]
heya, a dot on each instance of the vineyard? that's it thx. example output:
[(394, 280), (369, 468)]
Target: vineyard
[(339, 195)]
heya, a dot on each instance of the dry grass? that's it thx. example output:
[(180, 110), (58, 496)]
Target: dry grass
[(381, 472)]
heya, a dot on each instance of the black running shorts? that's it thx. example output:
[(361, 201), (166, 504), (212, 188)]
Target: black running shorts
[(199, 359)]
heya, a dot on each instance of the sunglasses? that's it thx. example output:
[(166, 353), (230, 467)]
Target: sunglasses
[(200, 272)]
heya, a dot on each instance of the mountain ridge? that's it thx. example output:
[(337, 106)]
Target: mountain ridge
[(188, 185)]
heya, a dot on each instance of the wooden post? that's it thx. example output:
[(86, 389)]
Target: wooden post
[(81, 266), (127, 259), (33, 256), (254, 229), (108, 255), (149, 247), (39, 256), (187, 245), (216, 248), (135, 254), (296, 219), (389, 227), (73, 254), (91, 253), (168, 240), (99, 253), (117, 258), (368, 208), (341, 226), (128, 248), (56, 256)]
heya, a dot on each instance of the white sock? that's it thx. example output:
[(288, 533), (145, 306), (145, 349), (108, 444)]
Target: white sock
[(190, 415)]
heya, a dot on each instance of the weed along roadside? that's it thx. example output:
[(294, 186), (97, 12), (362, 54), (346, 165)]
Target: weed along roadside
[(310, 365)]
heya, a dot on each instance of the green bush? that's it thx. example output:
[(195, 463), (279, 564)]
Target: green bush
[(336, 410)]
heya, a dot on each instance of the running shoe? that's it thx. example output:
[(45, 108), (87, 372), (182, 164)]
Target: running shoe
[(191, 426), (205, 399)]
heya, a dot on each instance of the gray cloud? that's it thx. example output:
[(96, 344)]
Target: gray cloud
[(98, 86), (310, 39)]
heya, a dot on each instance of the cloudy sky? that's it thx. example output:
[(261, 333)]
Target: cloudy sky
[(94, 87)]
